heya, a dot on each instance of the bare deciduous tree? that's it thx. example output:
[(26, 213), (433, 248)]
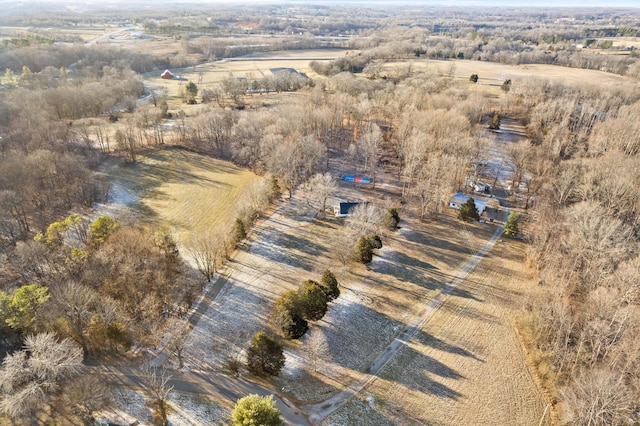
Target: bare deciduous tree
[(87, 394), (205, 250), (157, 380), (28, 377), (179, 329), (366, 219), (316, 349), (371, 141), (322, 186), (596, 398), (76, 304)]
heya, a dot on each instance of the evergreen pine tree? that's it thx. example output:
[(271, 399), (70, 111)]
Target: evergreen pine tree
[(511, 227)]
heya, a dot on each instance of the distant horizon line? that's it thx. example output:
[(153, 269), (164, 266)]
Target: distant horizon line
[(535, 4)]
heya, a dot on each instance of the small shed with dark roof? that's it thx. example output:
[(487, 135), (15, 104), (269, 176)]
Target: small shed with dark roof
[(345, 209)]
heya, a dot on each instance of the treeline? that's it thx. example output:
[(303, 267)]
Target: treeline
[(501, 50), (87, 289), (119, 281), (229, 47), (64, 95), (45, 172), (582, 168), (79, 58)]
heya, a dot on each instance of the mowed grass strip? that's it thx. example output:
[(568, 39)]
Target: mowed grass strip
[(185, 192)]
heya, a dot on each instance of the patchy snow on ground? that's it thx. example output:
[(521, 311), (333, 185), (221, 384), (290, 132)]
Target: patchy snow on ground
[(184, 409), (296, 363), (358, 411), (243, 306), (499, 166), (187, 409), (130, 406), (354, 330), (118, 206), (354, 334)]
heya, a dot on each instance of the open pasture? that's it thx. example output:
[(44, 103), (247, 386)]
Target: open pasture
[(491, 74), (210, 74), (187, 193)]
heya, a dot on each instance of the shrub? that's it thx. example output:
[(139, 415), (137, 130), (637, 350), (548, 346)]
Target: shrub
[(101, 228), (233, 365), (362, 251), (313, 300), (265, 355), (238, 231), (391, 219), (256, 410), (274, 189), (473, 78), (329, 285), (494, 123), (375, 241)]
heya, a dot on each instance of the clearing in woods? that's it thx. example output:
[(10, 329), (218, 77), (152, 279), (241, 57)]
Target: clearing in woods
[(209, 75), (493, 74), (187, 193)]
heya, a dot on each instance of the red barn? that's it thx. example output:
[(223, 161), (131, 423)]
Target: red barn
[(167, 75)]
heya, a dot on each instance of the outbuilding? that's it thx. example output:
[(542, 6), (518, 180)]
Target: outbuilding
[(167, 75), (345, 209)]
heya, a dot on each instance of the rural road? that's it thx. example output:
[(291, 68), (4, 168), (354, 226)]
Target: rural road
[(318, 412), (105, 37), (217, 386)]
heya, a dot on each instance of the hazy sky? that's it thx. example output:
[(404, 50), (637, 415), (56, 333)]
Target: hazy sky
[(392, 3), (16, 7), (389, 3)]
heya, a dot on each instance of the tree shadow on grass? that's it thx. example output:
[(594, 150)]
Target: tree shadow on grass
[(422, 373), (424, 242), (465, 310), (287, 249), (145, 175), (409, 269), (436, 343), (418, 365), (459, 292), (402, 267)]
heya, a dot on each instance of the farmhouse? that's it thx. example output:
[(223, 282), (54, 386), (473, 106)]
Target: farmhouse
[(459, 199), (167, 75), (345, 209)]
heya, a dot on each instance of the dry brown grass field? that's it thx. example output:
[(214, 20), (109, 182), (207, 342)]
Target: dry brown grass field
[(184, 192), (251, 66), (494, 74), (466, 366)]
